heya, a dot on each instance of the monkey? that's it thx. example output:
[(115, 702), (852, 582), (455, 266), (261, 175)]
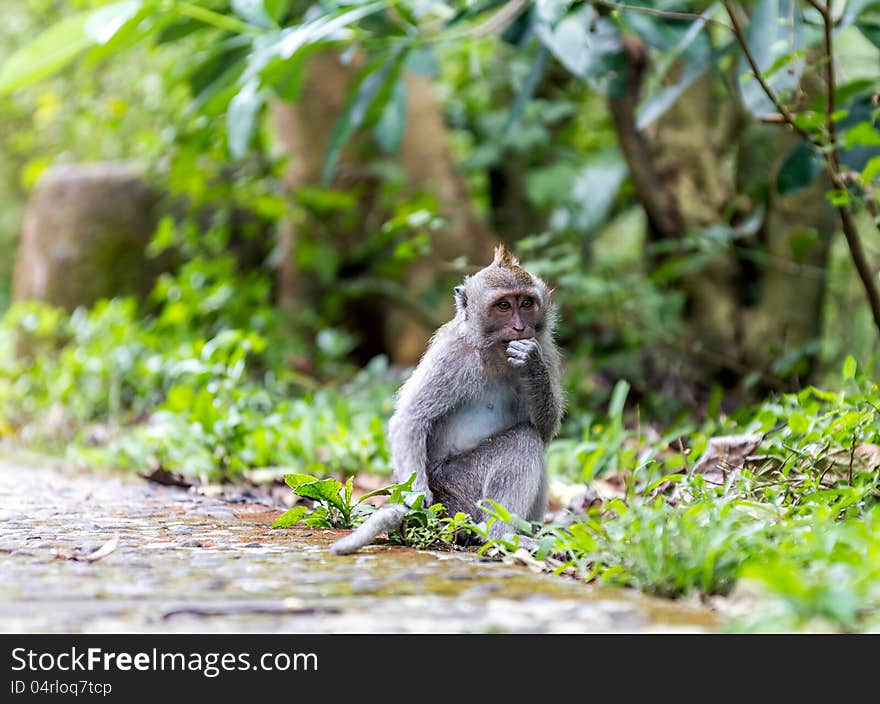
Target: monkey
[(474, 418)]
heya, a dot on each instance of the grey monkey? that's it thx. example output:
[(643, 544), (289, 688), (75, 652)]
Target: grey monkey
[(473, 420)]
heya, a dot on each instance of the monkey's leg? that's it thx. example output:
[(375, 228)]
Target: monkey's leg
[(507, 468)]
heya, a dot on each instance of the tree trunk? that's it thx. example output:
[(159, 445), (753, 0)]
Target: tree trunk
[(387, 320), (754, 303)]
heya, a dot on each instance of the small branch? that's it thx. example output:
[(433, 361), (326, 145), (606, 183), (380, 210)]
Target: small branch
[(829, 150), (860, 259), (784, 112), (830, 84), (665, 14), (773, 118)]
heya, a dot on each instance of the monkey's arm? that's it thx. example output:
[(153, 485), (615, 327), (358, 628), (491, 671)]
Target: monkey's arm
[(441, 382), (538, 362)]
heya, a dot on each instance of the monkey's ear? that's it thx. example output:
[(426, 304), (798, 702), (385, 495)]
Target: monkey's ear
[(460, 298)]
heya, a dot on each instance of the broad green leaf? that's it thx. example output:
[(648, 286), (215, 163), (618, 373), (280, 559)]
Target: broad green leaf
[(551, 11), (871, 170), (860, 129), (494, 508), (775, 29), (663, 99), (294, 480), (800, 168), (61, 43), (326, 490), (103, 24), (589, 49), (618, 399), (863, 134), (290, 517), (50, 52), (849, 368), (798, 423), (595, 189), (391, 127), (527, 90), (252, 11), (241, 118), (276, 9), (370, 95), (521, 524)]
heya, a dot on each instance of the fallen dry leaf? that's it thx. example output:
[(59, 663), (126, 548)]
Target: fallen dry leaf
[(166, 478), (93, 556), (726, 454)]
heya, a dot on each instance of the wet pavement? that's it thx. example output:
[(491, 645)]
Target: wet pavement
[(175, 561)]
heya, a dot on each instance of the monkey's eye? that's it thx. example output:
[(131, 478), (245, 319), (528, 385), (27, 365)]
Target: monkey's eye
[(526, 303), (503, 304)]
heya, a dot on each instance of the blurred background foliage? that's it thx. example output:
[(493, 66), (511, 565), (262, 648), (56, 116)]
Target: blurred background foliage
[(328, 170)]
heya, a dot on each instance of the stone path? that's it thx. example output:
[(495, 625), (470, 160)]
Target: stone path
[(188, 563)]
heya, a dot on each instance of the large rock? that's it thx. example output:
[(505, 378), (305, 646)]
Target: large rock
[(85, 231)]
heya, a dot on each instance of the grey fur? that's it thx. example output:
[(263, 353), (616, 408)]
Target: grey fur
[(473, 420), (385, 519)]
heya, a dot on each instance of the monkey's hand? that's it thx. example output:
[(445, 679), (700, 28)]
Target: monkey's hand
[(524, 353)]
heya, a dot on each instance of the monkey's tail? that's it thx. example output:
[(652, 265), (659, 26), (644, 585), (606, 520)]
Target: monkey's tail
[(385, 519)]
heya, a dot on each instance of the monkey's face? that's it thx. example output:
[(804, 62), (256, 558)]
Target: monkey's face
[(513, 315)]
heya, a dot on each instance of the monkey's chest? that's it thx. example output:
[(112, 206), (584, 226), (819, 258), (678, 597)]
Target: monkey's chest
[(494, 411)]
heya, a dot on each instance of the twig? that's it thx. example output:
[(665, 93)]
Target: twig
[(665, 14), (784, 112), (829, 149)]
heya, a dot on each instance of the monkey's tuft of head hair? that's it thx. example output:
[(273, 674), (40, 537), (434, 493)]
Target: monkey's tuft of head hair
[(476, 300), (507, 270)]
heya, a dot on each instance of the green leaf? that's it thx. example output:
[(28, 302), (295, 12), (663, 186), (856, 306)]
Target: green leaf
[(872, 168), (798, 423), (495, 509), (384, 491), (595, 189), (521, 524), (618, 399), (276, 9), (103, 23), (252, 11), (241, 118), (849, 368), (48, 53), (349, 489), (294, 480), (589, 49), (800, 168), (659, 102), (369, 97), (527, 90), (326, 490), (772, 33), (391, 127), (290, 517), (61, 43), (863, 134)]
